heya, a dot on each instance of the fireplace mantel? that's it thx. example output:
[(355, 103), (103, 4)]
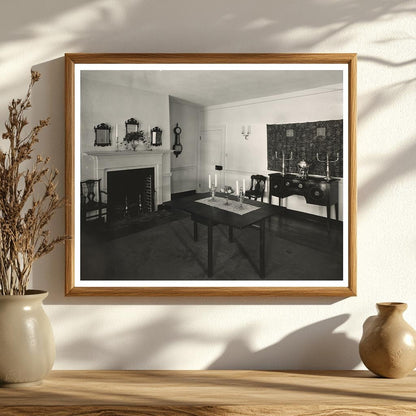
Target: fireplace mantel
[(106, 161), (100, 153)]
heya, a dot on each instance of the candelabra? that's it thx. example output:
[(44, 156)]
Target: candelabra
[(227, 191), (118, 145), (328, 162), (213, 189), (284, 160)]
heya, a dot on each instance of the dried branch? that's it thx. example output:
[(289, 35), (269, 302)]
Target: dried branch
[(24, 216)]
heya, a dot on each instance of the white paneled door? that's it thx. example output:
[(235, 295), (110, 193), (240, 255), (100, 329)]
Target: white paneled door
[(211, 154)]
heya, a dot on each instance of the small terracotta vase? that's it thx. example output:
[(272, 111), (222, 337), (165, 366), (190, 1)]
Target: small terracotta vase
[(27, 346), (388, 345)]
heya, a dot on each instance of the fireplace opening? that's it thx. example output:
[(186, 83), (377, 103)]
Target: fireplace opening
[(131, 193)]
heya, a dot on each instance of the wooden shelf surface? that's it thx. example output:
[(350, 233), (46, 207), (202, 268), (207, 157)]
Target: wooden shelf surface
[(208, 393)]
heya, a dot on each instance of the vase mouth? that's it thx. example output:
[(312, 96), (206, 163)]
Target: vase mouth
[(401, 306), (32, 293)]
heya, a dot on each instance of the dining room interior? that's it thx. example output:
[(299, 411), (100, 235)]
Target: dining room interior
[(160, 149)]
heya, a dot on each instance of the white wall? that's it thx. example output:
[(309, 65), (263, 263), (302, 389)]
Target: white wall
[(184, 167), (244, 158), (203, 333), (114, 104)]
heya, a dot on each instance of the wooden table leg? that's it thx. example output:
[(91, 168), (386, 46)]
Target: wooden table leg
[(328, 217), (262, 248), (195, 231), (230, 234), (328, 212), (209, 250)]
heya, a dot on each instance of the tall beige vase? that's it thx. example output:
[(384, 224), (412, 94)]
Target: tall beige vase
[(27, 346), (388, 345)]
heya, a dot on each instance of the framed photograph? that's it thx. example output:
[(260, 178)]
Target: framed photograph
[(211, 174)]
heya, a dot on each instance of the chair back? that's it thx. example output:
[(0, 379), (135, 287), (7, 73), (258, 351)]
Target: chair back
[(90, 191), (258, 183), (257, 187)]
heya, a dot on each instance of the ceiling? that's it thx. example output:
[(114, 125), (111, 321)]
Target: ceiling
[(213, 87)]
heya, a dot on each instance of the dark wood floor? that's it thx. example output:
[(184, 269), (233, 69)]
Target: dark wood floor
[(160, 246)]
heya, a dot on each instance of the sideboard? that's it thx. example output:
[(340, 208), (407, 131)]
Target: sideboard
[(212, 392), (315, 190)]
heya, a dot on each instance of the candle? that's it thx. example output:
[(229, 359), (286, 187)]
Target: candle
[(244, 186), (237, 189), (215, 180), (209, 181), (116, 130)]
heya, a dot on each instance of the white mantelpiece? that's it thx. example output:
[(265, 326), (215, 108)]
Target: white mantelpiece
[(107, 161)]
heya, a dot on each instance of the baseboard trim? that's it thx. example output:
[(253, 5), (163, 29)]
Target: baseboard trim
[(183, 194), (309, 217)]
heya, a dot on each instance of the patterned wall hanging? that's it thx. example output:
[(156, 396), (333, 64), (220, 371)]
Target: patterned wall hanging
[(303, 141)]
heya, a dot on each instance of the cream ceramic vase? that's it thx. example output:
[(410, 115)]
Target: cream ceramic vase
[(27, 346), (388, 345)]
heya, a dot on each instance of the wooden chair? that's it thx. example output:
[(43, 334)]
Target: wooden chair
[(258, 184), (92, 205)]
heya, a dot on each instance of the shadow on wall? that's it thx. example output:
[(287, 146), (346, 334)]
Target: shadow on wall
[(397, 166), (142, 346), (316, 346), (78, 26), (40, 33), (313, 347)]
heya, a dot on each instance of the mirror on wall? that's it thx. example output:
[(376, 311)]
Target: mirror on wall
[(102, 135)]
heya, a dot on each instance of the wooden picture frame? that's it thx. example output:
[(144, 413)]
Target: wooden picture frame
[(343, 286)]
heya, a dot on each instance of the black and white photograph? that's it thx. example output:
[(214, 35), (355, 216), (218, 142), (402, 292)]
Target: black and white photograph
[(198, 175)]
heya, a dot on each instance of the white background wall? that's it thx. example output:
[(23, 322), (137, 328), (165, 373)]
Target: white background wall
[(114, 104), (244, 158), (203, 333)]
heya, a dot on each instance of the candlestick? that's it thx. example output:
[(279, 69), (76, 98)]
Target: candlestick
[(241, 198)]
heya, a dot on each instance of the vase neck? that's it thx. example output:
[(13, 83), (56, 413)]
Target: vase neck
[(390, 308)]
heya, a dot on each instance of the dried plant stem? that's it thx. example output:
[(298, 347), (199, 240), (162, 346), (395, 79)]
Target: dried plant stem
[(24, 217)]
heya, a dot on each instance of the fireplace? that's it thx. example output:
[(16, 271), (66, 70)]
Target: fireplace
[(102, 163), (131, 193)]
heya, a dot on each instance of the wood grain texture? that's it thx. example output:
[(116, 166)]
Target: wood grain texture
[(208, 411), (71, 59), (203, 393), (119, 58), (352, 171), (69, 174), (210, 291)]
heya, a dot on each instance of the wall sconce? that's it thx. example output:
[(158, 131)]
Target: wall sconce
[(245, 132)]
